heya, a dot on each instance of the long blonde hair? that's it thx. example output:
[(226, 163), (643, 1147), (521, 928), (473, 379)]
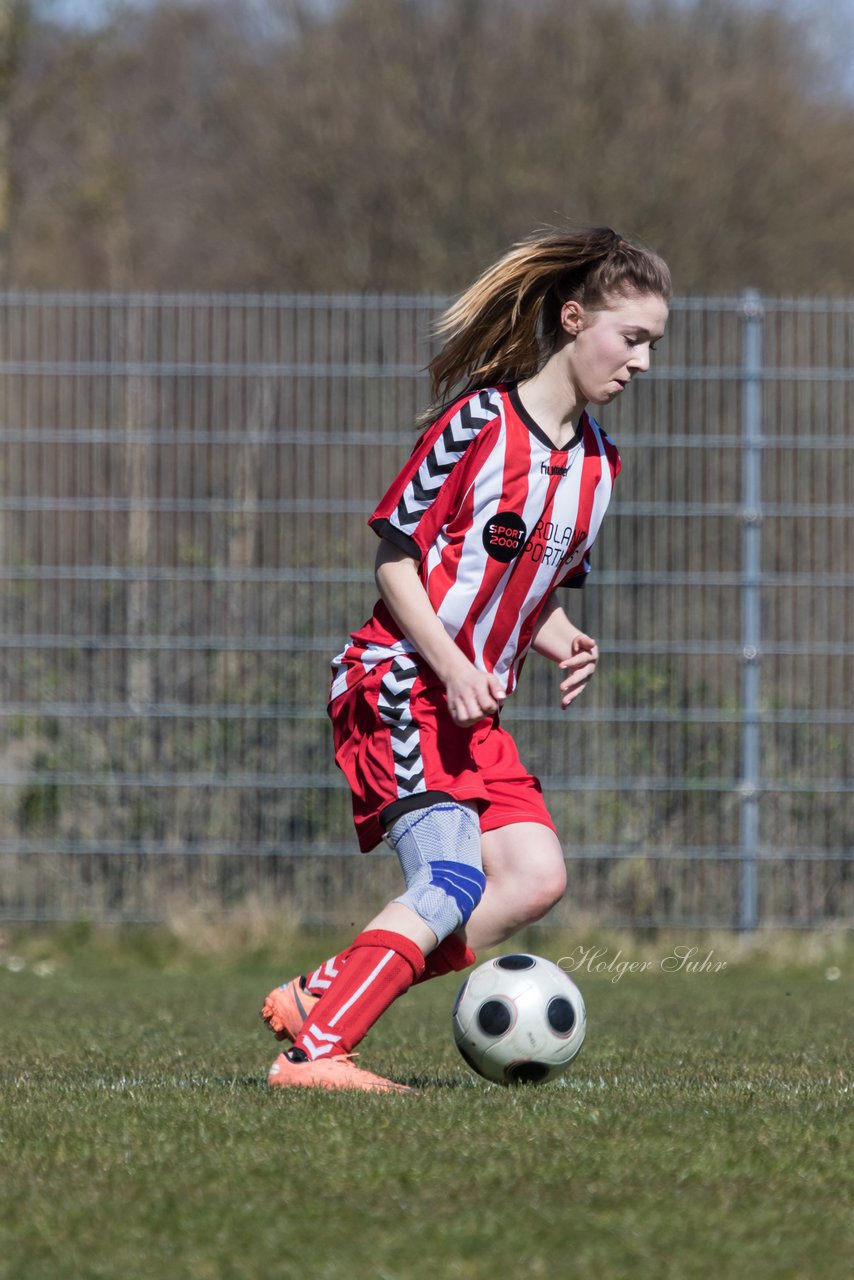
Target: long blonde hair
[(508, 322)]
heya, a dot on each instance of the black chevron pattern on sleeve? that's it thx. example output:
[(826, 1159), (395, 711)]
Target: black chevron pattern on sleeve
[(473, 415)]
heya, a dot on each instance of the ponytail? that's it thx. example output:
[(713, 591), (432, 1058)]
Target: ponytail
[(508, 322)]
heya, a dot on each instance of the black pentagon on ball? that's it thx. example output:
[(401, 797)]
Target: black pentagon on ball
[(561, 1015), (515, 962), (494, 1017), (527, 1072)]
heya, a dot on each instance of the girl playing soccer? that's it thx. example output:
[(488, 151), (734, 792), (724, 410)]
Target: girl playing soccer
[(490, 519)]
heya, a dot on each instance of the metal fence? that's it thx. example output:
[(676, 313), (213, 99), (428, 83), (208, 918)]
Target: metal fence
[(183, 546)]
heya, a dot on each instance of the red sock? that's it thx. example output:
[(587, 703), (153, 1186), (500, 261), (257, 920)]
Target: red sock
[(380, 967), (451, 956), (321, 980)]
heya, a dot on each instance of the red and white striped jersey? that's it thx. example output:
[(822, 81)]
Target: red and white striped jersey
[(497, 517)]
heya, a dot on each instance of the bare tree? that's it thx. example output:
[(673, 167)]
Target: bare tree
[(391, 145)]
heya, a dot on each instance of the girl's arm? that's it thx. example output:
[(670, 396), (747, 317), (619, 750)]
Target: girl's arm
[(472, 694), (557, 638)]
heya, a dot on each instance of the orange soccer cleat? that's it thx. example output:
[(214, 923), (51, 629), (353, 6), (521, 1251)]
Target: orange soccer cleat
[(287, 1007), (339, 1072)]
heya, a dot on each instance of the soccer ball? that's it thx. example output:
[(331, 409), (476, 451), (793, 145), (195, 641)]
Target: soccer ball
[(519, 1019)]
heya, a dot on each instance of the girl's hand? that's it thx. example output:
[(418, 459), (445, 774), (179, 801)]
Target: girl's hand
[(579, 668), (473, 695)]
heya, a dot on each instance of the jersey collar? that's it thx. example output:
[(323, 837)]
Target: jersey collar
[(536, 430)]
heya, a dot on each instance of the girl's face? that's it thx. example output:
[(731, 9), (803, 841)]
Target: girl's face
[(611, 343)]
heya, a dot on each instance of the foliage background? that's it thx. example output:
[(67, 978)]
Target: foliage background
[(398, 145)]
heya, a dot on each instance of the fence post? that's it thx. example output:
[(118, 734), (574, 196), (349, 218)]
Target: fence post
[(751, 602)]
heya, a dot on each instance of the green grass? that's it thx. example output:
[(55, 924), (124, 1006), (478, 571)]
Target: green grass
[(701, 1132)]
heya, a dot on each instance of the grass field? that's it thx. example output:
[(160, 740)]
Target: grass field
[(704, 1131)]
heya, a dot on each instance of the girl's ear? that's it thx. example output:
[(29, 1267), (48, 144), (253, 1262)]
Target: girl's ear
[(572, 318)]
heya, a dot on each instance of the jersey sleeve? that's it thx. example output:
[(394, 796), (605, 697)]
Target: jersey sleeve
[(418, 501), (578, 577)]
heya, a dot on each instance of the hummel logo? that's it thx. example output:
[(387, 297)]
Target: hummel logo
[(547, 470)]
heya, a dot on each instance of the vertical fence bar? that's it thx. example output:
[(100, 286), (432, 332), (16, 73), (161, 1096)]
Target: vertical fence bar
[(751, 618)]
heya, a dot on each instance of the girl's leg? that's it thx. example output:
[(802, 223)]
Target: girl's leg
[(525, 878), (439, 847), (396, 917), (288, 1006)]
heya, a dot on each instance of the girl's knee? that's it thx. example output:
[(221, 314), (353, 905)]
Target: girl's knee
[(547, 891), (557, 885), (536, 894), (526, 868)]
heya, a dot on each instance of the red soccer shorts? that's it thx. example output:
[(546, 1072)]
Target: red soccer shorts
[(394, 737)]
